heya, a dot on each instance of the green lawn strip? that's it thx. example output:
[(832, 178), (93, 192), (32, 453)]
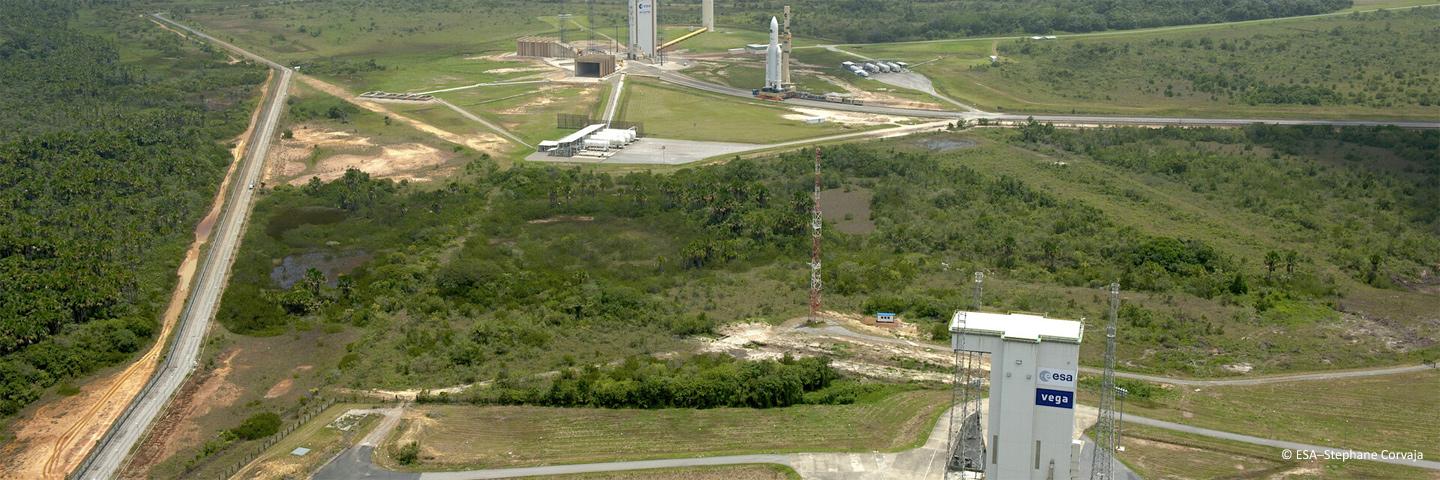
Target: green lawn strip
[(672, 112), (465, 437), (1159, 453), (1364, 414)]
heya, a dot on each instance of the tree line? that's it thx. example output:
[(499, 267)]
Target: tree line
[(105, 166)]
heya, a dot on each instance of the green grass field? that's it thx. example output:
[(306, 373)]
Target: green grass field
[(671, 112), (460, 437), (530, 110), (1368, 414), (1163, 454), (1368, 66)]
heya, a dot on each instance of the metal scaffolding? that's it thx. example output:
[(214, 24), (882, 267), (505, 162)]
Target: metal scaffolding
[(1107, 427), (966, 439)]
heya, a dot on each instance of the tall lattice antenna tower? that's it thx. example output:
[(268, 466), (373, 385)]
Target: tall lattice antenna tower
[(1107, 427), (815, 223), (967, 447)]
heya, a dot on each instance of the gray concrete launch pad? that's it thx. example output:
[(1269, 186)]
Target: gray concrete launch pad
[(655, 151)]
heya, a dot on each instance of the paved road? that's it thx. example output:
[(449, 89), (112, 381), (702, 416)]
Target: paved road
[(1269, 379), (614, 103), (1425, 464), (1077, 120), (478, 85), (110, 453)]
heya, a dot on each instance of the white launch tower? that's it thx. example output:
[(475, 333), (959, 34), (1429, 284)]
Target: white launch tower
[(644, 29), (1034, 366), (773, 75)]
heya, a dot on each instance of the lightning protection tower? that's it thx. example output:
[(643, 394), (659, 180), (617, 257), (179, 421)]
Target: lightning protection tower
[(967, 442), (815, 223), (1102, 464)]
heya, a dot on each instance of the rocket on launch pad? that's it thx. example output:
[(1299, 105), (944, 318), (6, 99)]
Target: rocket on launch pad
[(773, 82)]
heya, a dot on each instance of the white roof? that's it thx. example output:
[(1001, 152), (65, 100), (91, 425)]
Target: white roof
[(581, 134), (1018, 327)]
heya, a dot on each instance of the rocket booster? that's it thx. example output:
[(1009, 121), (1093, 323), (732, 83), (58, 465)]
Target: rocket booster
[(772, 58)]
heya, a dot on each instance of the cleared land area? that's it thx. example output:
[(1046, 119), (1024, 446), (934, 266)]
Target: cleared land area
[(1370, 65), (530, 110), (672, 112), (461, 437)]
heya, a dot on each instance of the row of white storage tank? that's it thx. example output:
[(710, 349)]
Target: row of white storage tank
[(610, 138), (864, 69)]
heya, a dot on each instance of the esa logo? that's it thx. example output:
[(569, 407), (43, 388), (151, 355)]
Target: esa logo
[(1057, 377)]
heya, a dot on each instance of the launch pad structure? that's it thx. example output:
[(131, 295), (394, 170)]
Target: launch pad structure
[(1034, 372), (645, 29)]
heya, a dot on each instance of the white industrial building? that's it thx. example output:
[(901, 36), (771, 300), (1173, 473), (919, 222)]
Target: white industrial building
[(1034, 366), (596, 138)]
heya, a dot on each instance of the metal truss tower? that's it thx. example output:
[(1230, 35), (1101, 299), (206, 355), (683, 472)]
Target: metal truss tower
[(815, 223), (1107, 427), (966, 449)]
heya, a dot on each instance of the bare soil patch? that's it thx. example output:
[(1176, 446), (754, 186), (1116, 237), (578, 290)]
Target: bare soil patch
[(177, 427), (849, 210), (333, 152), (905, 361)]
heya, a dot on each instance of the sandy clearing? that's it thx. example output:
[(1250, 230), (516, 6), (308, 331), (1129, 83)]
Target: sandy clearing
[(51, 441), (482, 142), (847, 118), (398, 162), (763, 341)]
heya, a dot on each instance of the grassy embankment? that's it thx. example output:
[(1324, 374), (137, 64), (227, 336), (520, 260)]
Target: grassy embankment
[(1366, 66), (454, 437)]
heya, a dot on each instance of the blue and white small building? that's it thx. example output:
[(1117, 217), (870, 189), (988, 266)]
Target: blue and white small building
[(884, 317), (1034, 370)]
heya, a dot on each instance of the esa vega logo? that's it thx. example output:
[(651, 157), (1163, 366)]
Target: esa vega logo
[(1055, 377)]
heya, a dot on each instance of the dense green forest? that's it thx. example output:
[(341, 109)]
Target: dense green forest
[(702, 381), (509, 273), (875, 21), (1378, 59), (111, 147)]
